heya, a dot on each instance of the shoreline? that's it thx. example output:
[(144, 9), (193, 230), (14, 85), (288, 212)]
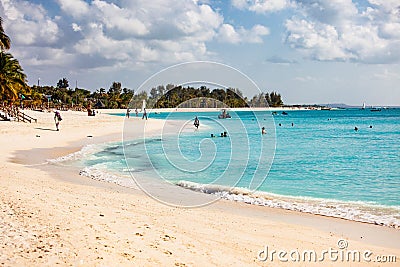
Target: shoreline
[(235, 194), (99, 215), (254, 198), (277, 214), (255, 109)]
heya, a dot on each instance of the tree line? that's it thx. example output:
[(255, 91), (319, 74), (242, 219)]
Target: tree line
[(169, 96)]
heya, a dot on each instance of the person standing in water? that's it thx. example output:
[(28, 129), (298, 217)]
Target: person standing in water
[(57, 119), (136, 112), (196, 123), (263, 131), (127, 112)]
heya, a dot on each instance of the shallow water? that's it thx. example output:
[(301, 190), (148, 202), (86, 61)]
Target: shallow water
[(321, 164)]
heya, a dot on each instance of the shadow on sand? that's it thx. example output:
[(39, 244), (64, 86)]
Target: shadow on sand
[(46, 129)]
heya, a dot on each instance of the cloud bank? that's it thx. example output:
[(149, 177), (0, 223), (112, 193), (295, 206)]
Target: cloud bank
[(338, 30), (99, 34)]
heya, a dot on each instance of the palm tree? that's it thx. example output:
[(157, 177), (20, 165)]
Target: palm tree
[(5, 41), (12, 77)]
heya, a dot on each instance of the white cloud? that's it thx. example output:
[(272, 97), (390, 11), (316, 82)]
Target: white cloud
[(387, 5), (390, 30), (319, 40), (198, 18), (107, 31), (305, 79), (100, 34), (228, 34), (240, 4), (144, 31), (337, 30), (255, 34), (28, 23), (328, 11), (74, 8), (262, 6), (119, 19), (148, 31), (96, 43), (45, 57)]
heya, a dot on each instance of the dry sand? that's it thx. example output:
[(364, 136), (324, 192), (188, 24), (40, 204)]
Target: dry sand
[(50, 215)]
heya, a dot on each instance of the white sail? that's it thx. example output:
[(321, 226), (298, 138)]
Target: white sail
[(363, 105), (143, 105)]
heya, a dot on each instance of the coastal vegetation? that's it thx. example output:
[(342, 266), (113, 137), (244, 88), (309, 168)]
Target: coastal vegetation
[(169, 96), (12, 78)]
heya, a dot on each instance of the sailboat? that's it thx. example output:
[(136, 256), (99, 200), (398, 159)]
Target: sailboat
[(363, 106), (143, 105)]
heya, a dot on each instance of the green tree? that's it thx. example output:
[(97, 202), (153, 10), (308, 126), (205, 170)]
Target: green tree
[(78, 96), (268, 99), (12, 77), (276, 100), (126, 97), (115, 88), (114, 95), (63, 83)]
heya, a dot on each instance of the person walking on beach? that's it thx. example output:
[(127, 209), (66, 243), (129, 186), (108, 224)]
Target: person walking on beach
[(57, 119), (196, 123), (144, 114), (127, 112)]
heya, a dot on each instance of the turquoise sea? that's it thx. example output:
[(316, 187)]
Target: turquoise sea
[(310, 160)]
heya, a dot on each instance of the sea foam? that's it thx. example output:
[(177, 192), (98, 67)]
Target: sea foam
[(355, 211), (104, 176), (78, 155)]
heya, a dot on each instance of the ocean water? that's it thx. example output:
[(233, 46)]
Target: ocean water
[(310, 160)]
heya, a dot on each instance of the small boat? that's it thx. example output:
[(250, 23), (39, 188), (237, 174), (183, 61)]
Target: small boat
[(224, 115), (375, 109)]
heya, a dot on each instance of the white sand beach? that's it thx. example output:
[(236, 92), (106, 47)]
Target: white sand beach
[(51, 215)]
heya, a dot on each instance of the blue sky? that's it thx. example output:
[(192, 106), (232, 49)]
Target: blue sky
[(311, 51)]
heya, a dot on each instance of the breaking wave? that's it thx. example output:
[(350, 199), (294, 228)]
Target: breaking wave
[(349, 210)]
